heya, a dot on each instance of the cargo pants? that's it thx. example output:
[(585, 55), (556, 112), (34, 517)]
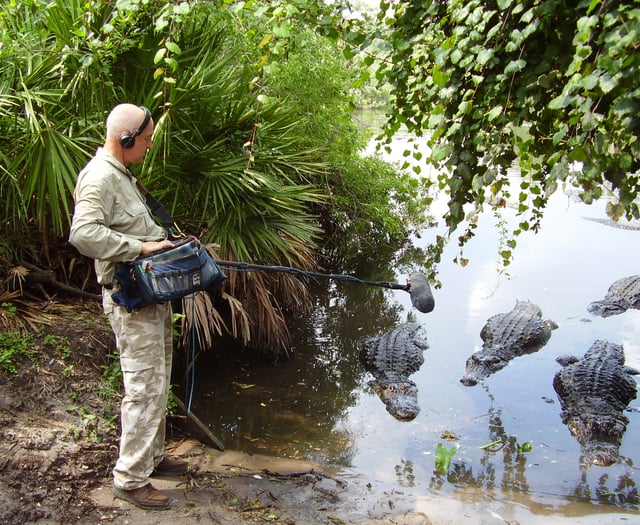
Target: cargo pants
[(144, 340)]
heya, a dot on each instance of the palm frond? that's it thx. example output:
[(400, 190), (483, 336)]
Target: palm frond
[(201, 320)]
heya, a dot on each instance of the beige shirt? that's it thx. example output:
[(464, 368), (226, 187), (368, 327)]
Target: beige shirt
[(111, 218)]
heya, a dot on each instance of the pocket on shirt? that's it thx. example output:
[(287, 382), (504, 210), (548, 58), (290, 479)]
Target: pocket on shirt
[(129, 210)]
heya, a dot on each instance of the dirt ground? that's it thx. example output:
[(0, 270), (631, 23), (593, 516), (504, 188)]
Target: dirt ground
[(59, 437)]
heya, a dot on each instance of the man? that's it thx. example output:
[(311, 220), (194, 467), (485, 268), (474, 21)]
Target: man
[(111, 224)]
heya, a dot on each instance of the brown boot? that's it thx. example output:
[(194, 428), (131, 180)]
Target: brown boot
[(147, 497), (170, 465)]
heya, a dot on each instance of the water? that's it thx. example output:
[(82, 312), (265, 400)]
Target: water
[(318, 405)]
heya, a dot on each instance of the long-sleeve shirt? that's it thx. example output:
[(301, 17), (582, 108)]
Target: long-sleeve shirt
[(111, 218)]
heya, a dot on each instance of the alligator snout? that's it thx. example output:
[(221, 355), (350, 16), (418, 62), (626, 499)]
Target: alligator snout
[(400, 398), (603, 457), (468, 381)]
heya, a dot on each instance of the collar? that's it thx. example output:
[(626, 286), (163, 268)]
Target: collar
[(110, 159)]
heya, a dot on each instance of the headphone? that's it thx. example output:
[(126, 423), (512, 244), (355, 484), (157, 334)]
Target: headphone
[(128, 138)]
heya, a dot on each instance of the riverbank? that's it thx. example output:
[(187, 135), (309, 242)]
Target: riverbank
[(59, 435)]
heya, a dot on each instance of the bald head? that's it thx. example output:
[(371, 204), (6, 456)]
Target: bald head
[(129, 133), (124, 117)]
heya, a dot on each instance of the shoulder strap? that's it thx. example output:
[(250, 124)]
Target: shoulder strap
[(158, 209)]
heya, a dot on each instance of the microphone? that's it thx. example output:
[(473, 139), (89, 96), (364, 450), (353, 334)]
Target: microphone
[(420, 292)]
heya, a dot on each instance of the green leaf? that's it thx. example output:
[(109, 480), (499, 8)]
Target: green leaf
[(492, 444), (515, 66), (524, 447), (495, 113), (160, 53), (173, 47), (608, 83), (443, 457), (282, 30), (183, 8)]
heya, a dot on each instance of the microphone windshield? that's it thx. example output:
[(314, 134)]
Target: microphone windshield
[(420, 292)]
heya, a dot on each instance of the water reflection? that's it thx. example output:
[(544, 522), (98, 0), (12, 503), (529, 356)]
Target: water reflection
[(318, 405), (295, 407)]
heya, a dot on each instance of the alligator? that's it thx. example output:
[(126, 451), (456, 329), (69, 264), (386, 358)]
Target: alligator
[(505, 336), (392, 357), (621, 224), (593, 392), (621, 296)]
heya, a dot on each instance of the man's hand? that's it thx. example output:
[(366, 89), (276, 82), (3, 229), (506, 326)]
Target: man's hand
[(154, 246)]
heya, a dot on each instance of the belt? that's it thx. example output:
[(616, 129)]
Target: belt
[(109, 286)]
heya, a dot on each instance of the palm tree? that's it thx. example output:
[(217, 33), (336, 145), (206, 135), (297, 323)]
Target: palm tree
[(229, 162)]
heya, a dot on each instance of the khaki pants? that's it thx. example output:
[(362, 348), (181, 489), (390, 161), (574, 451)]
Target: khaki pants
[(144, 340)]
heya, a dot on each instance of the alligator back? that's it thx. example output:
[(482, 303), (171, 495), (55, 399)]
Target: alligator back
[(593, 392), (505, 336), (398, 351), (622, 295), (392, 357), (520, 329)]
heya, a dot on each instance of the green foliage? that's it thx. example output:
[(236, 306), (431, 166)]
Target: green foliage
[(9, 309), (548, 86), (176, 322), (240, 159), (172, 406), (13, 346), (59, 344), (111, 377), (443, 457), (368, 203), (247, 110), (43, 116), (520, 448)]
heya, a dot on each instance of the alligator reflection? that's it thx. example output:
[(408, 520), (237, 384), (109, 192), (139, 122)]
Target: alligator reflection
[(624, 494)]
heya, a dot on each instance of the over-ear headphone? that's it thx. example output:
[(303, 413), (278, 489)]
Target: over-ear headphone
[(128, 138)]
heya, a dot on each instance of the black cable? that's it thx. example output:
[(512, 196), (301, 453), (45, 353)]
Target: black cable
[(246, 267)]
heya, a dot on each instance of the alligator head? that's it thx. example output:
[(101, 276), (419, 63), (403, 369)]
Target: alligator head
[(399, 395), (481, 365), (599, 436), (622, 295), (506, 336)]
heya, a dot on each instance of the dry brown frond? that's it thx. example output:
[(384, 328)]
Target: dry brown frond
[(15, 278), (240, 323), (16, 313), (201, 316), (251, 305)]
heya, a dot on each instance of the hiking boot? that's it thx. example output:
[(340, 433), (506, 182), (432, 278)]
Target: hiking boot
[(170, 465), (147, 497)]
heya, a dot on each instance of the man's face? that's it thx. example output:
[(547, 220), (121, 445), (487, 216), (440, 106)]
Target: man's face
[(143, 143)]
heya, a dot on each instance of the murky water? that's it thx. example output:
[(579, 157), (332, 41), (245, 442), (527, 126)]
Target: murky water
[(318, 405)]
